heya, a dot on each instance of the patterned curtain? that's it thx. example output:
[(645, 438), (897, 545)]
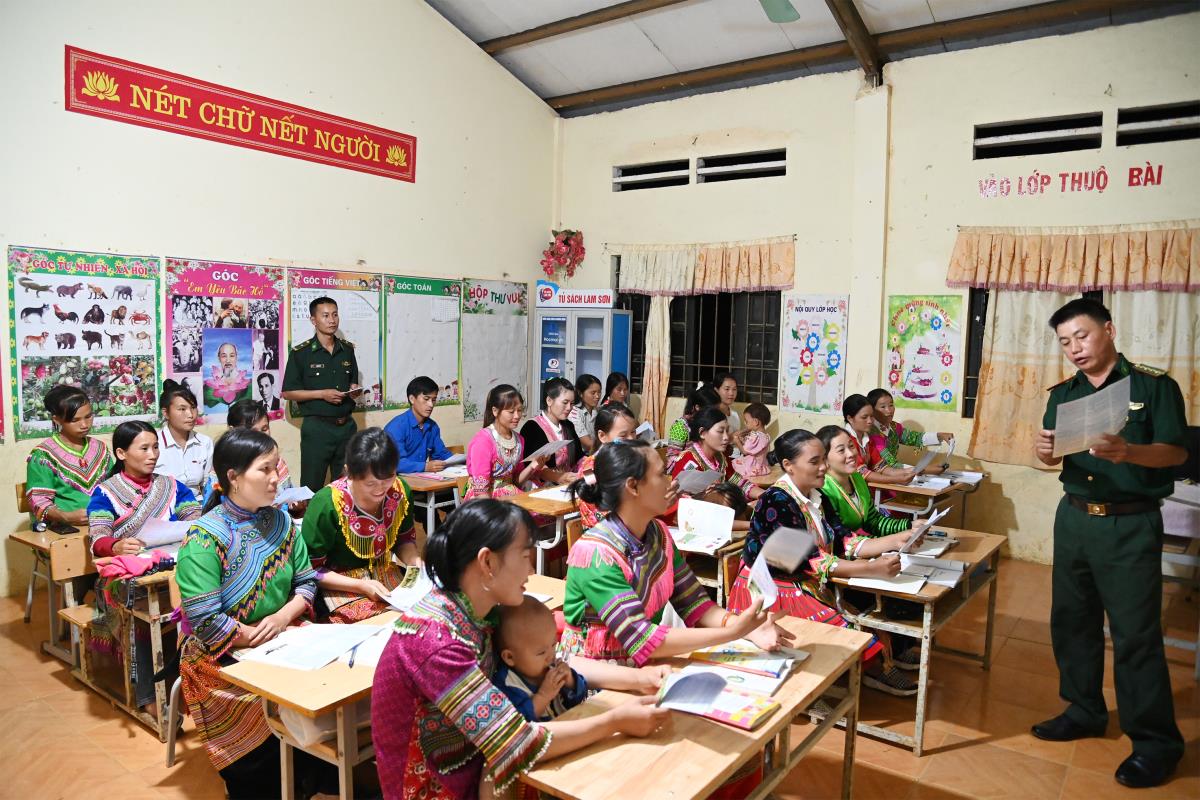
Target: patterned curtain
[(1162, 329), (1021, 360), (768, 265)]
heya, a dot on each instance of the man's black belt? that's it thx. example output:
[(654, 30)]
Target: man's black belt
[(1113, 509), (333, 420)]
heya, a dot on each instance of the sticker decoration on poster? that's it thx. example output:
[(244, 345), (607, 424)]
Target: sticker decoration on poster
[(422, 336), (495, 335), (813, 372), (359, 297), (89, 320), (223, 338), (924, 351)]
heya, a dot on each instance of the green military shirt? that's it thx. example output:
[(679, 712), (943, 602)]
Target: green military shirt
[(1156, 416), (310, 366)]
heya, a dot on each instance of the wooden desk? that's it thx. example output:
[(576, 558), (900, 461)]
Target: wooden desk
[(559, 509), (939, 604), (924, 497), (429, 488), (61, 640), (335, 688), (697, 755), (768, 480)]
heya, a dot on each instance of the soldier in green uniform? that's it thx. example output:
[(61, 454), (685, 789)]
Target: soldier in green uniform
[(1108, 533), (320, 375)]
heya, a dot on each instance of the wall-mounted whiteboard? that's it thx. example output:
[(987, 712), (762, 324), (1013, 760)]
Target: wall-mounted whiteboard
[(422, 336), (495, 341)]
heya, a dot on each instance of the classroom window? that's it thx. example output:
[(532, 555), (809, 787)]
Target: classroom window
[(1171, 122), (1038, 136), (977, 304)]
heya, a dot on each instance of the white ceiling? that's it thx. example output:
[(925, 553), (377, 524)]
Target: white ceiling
[(678, 38)]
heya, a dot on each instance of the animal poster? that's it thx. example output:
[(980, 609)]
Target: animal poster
[(422, 336), (359, 299), (495, 335), (924, 351), (813, 372), (86, 319), (223, 337)]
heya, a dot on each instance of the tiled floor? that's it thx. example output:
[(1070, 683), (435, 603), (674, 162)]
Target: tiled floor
[(61, 740)]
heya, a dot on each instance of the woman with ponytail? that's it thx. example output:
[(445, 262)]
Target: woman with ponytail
[(680, 432), (622, 572), (131, 496), (244, 576), (435, 672), (794, 502), (710, 440), (615, 422)]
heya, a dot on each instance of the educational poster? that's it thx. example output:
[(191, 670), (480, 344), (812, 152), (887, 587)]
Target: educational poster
[(422, 338), (359, 299), (223, 339), (924, 351), (813, 372), (86, 319), (495, 335)]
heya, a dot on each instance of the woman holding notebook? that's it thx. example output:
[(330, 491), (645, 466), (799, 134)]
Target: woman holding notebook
[(794, 502)]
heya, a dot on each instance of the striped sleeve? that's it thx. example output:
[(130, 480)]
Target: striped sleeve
[(186, 505), (198, 573), (605, 589), (688, 597), (101, 515)]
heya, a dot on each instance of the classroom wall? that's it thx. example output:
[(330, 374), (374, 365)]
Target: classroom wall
[(480, 207), (839, 140)]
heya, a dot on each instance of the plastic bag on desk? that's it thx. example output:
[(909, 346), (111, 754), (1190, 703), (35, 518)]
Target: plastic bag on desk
[(308, 731)]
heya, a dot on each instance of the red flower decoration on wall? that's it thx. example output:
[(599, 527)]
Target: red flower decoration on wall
[(565, 253)]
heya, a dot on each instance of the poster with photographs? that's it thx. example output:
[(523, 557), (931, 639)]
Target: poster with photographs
[(89, 320), (359, 299), (495, 334), (222, 333), (422, 336)]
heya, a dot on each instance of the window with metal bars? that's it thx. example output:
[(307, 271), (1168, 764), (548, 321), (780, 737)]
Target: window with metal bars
[(976, 325)]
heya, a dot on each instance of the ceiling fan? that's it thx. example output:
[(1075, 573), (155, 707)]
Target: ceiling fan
[(779, 11)]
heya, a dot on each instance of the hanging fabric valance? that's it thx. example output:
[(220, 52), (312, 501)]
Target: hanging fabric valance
[(1163, 256)]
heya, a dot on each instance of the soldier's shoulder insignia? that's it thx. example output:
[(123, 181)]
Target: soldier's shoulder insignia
[(1149, 370), (301, 345), (1056, 385), (348, 343)]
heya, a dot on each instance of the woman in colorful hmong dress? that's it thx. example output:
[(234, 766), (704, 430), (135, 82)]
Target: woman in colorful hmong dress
[(253, 415), (494, 454), (119, 507), (859, 418), (680, 433), (622, 573), (887, 435), (62, 471), (244, 577), (614, 422), (553, 425), (441, 728), (354, 527), (794, 502), (710, 439)]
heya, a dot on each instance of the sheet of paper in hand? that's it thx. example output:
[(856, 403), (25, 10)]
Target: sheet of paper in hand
[(788, 548), (703, 527), (1082, 423), (695, 481), (160, 532), (548, 449), (762, 584), (412, 587), (296, 494), (646, 433), (934, 517)]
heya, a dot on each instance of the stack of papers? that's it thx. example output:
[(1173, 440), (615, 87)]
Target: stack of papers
[(703, 527), (931, 482), (963, 476), (939, 571), (308, 647), (159, 534), (556, 493), (367, 652), (746, 657)]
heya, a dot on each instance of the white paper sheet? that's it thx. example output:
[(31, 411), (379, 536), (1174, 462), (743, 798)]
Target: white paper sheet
[(906, 584), (762, 584), (556, 493), (456, 459), (963, 476), (454, 472), (703, 527), (925, 461), (308, 647), (787, 548), (691, 692), (739, 679), (368, 651), (296, 494), (1081, 423), (696, 482), (159, 532), (412, 587), (934, 517), (541, 598), (548, 449), (645, 432), (931, 482)]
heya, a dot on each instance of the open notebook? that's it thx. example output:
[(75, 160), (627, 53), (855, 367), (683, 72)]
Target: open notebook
[(703, 692)]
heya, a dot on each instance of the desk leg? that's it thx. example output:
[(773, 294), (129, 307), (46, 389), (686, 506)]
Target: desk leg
[(430, 514), (347, 723), (855, 678), (156, 658), (923, 678), (287, 775), (991, 612), (560, 526)]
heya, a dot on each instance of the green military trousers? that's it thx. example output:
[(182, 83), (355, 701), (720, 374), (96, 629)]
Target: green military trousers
[(323, 450), (1113, 565)]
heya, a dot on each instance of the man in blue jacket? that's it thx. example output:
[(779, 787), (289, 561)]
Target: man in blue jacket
[(415, 433)]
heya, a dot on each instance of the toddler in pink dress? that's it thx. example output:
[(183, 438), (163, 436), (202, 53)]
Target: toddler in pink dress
[(754, 442)]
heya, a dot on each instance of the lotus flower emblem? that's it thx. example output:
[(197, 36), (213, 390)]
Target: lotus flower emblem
[(100, 85), (396, 156)]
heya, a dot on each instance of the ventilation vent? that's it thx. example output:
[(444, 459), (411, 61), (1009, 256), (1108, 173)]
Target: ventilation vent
[(1167, 123), (651, 176), (1036, 136), (742, 166)]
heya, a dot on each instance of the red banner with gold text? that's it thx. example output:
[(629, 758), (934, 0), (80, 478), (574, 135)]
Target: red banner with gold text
[(109, 87)]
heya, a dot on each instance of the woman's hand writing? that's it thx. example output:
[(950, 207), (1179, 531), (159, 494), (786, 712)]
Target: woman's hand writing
[(128, 547)]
